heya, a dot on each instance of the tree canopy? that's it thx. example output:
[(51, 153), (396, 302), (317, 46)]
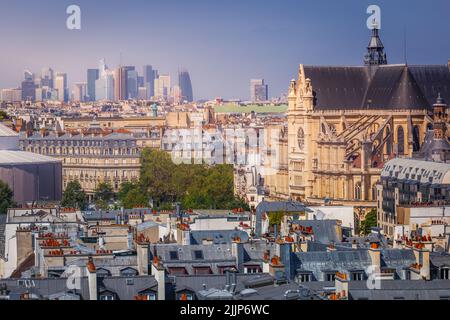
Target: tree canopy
[(369, 222), (6, 197), (195, 186), (103, 195), (132, 196), (74, 196)]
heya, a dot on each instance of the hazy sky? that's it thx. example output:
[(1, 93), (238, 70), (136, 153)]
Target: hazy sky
[(223, 43)]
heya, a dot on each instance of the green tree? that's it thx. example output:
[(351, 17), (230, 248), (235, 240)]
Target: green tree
[(74, 196), (369, 222), (275, 218), (195, 186), (124, 189), (3, 115), (156, 175), (103, 195), (131, 196), (6, 197)]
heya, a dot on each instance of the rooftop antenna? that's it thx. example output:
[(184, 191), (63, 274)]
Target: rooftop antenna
[(120, 60), (405, 47)]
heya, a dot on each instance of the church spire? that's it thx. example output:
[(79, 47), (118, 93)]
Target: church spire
[(375, 51)]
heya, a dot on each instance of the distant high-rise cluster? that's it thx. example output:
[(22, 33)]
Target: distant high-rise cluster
[(259, 91), (185, 84), (103, 83), (48, 86)]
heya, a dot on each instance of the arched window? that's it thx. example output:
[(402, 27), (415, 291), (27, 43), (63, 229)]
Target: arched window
[(388, 141), (374, 192), (401, 140), (358, 191), (416, 139), (301, 138)]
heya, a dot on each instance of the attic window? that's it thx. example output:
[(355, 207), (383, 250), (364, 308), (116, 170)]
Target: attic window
[(330, 276), (174, 255), (130, 282), (357, 275), (198, 255)]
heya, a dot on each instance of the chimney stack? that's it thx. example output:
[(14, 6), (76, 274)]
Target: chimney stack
[(24, 243), (341, 284), (422, 261), (284, 251), (92, 279), (237, 250), (143, 257), (159, 272), (375, 256)]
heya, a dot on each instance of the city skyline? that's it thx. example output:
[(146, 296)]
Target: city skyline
[(176, 37)]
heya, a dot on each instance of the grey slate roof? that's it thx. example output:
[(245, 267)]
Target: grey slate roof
[(391, 289), (218, 237), (390, 87), (440, 259), (123, 288), (281, 206), (45, 288), (345, 261), (402, 289), (214, 256), (324, 230), (432, 146), (320, 262), (114, 266), (199, 283)]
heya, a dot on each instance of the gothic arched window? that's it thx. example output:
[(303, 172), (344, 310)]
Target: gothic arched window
[(301, 139), (388, 141), (416, 138), (401, 140)]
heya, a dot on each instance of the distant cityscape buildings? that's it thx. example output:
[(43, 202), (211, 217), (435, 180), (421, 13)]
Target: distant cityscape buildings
[(184, 81), (92, 76), (259, 90), (61, 86), (102, 83)]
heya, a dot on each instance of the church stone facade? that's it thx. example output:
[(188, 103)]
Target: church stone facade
[(345, 122)]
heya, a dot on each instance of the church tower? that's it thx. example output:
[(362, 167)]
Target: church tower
[(300, 127), (440, 119)]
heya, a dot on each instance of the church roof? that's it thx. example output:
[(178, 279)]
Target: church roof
[(392, 87)]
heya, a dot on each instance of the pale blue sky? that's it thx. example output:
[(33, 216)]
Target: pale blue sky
[(223, 43)]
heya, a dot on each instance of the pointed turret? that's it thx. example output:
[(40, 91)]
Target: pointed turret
[(436, 146), (375, 51)]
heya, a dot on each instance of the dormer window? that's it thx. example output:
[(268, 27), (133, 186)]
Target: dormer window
[(357, 275), (174, 255), (444, 274), (198, 255), (304, 277)]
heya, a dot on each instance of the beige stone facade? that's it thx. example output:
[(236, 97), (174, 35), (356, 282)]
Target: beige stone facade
[(91, 158), (336, 153)]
